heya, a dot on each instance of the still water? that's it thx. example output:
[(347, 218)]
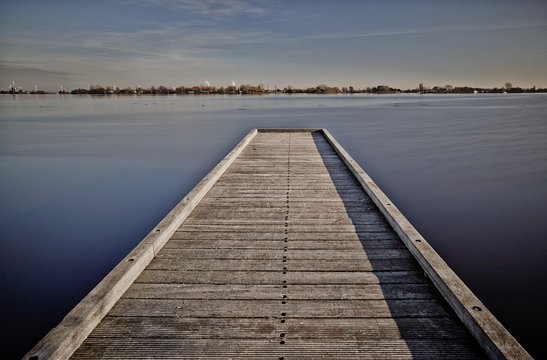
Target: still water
[(83, 179)]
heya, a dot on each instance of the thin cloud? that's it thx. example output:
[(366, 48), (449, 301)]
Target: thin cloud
[(212, 8), (416, 31)]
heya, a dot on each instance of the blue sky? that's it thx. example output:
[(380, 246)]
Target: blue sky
[(301, 43)]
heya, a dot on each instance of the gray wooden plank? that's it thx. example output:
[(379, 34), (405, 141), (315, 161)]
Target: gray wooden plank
[(266, 328), (266, 308), (256, 228), (277, 277), (280, 210), (279, 244), (274, 292), (225, 215), (171, 264), (249, 221), (312, 236), (277, 254), (161, 348)]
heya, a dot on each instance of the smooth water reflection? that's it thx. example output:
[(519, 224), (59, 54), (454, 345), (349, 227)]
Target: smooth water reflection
[(83, 179)]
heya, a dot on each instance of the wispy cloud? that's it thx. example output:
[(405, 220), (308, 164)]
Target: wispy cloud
[(416, 31), (212, 8), (172, 43)]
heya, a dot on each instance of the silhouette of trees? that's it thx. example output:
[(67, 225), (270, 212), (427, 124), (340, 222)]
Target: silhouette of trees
[(248, 89)]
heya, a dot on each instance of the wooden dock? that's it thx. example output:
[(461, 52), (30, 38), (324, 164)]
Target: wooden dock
[(286, 250)]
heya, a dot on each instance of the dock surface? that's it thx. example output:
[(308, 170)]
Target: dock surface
[(285, 257)]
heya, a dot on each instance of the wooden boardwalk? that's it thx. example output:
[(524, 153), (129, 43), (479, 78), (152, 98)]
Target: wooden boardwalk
[(285, 256)]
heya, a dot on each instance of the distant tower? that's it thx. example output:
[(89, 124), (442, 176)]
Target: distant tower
[(35, 88)]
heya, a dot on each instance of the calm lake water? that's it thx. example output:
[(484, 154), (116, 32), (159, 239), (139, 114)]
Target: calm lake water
[(83, 179)]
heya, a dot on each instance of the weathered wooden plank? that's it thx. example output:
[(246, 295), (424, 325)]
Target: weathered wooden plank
[(294, 171), (162, 263), (266, 308), (256, 228), (310, 212), (283, 205), (292, 192), (277, 277), (279, 244), (297, 190), (335, 223), (281, 161), (266, 328), (274, 292), (279, 253), (294, 202), (222, 235), (319, 178), (223, 214), (283, 195), (158, 348)]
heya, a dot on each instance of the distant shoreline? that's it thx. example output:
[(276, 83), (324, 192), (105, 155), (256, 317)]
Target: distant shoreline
[(261, 90), (543, 91)]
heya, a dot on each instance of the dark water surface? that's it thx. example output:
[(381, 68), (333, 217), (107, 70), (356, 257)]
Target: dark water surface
[(83, 179)]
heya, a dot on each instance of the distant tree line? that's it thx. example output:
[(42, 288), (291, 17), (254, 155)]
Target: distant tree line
[(241, 89), (248, 89), (449, 89)]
